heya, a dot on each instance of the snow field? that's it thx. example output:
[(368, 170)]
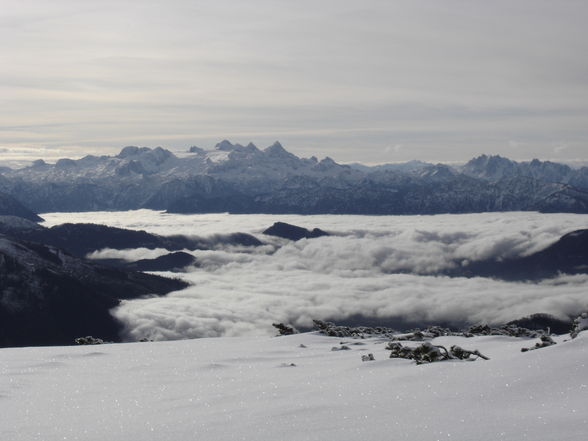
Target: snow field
[(246, 389)]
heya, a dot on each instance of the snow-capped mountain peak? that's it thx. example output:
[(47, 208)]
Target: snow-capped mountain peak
[(225, 146), (276, 149), (243, 178)]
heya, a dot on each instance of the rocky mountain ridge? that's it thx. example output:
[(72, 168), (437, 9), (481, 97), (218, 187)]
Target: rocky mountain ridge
[(244, 179)]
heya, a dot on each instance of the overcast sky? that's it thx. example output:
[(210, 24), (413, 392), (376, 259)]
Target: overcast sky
[(371, 81)]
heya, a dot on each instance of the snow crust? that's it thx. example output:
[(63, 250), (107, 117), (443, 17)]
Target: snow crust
[(274, 389)]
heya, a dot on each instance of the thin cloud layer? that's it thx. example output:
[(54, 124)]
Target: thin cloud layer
[(241, 291), (342, 78)]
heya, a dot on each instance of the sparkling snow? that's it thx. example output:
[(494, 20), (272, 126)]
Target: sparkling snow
[(273, 389)]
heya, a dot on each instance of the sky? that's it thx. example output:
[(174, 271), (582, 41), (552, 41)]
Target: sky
[(371, 81)]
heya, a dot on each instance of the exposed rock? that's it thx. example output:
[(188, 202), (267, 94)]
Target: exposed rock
[(334, 330), (284, 329), (88, 340), (580, 324), (509, 330), (368, 357), (546, 340), (429, 353)]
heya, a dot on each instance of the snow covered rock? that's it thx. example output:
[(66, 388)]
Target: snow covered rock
[(580, 324), (546, 341)]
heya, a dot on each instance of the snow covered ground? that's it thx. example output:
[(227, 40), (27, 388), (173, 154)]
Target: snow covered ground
[(263, 388)]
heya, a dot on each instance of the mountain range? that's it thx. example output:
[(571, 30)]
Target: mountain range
[(244, 179)]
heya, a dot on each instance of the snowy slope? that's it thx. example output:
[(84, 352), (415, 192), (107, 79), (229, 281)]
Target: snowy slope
[(246, 389)]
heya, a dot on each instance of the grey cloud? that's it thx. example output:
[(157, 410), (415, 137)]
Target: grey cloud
[(446, 82), (130, 255), (242, 291)]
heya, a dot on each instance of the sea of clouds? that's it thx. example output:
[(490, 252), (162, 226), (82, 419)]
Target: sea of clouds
[(378, 267)]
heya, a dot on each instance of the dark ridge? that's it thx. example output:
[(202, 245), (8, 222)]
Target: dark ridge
[(569, 255), (293, 232), (169, 262), (48, 297), (10, 206), (81, 239), (543, 321)]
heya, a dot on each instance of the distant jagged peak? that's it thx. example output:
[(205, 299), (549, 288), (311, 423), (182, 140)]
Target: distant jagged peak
[(276, 150), (65, 163), (538, 164), (38, 163), (437, 171), (326, 164), (157, 155), (397, 167), (92, 158), (225, 146), (132, 150), (197, 150), (493, 160), (251, 147), (327, 160), (485, 160), (494, 167)]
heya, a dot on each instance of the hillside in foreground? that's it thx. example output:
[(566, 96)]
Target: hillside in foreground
[(293, 388)]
